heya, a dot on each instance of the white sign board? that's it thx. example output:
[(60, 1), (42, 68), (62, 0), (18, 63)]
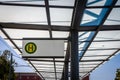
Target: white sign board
[(43, 48)]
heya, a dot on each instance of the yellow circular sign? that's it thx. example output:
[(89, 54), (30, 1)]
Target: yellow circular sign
[(30, 48)]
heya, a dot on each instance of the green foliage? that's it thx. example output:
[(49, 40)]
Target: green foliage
[(117, 74), (5, 69)]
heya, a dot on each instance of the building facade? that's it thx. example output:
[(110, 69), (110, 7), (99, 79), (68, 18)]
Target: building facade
[(28, 76)]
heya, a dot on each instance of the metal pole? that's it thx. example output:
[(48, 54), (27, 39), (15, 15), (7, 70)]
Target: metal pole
[(10, 72), (66, 66), (66, 71), (55, 69), (74, 55)]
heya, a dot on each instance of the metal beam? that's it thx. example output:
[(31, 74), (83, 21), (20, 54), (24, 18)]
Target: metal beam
[(43, 67), (34, 26), (43, 57), (93, 7), (55, 69), (76, 20), (66, 63), (93, 60), (32, 5), (52, 6), (45, 38), (58, 28), (48, 17), (48, 72), (45, 64), (103, 28)]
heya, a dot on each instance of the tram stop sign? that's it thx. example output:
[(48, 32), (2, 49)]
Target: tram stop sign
[(43, 48)]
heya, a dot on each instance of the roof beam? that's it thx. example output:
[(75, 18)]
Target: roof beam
[(103, 28), (58, 28), (41, 71), (93, 7), (34, 26), (32, 5), (69, 61), (48, 17)]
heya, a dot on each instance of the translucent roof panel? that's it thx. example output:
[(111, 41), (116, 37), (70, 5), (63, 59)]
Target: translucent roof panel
[(98, 2), (95, 58), (82, 74), (108, 35), (40, 2), (44, 66), (93, 17), (48, 76), (45, 69), (59, 75), (105, 45), (60, 16), (81, 45), (83, 69), (82, 65), (59, 34), (42, 63), (25, 15), (85, 36), (65, 45), (118, 2), (62, 2), (22, 33), (114, 17), (95, 53), (59, 64), (2, 35), (19, 43), (84, 39), (89, 63)]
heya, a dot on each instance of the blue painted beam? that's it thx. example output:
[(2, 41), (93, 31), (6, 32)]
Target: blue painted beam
[(99, 17)]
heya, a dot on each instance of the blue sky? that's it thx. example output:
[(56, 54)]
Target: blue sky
[(107, 71)]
